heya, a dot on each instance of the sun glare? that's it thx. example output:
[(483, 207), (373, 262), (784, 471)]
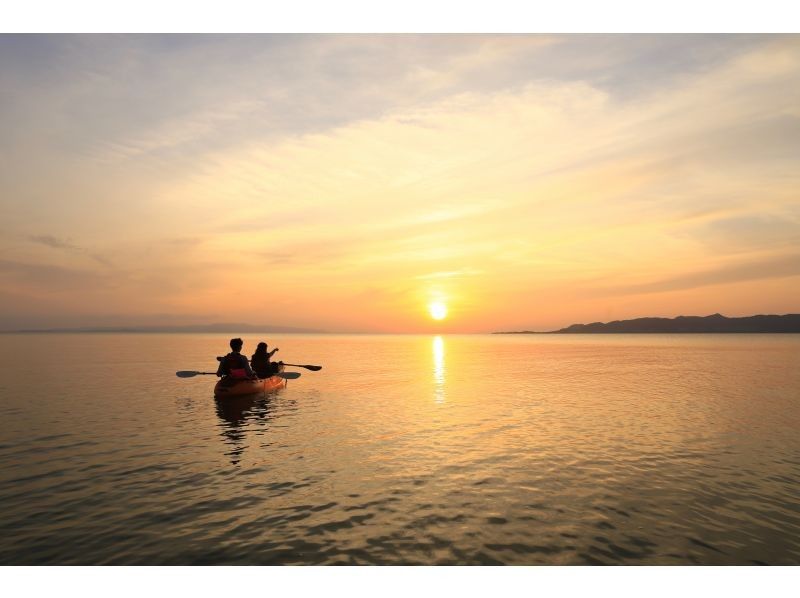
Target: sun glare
[(438, 310)]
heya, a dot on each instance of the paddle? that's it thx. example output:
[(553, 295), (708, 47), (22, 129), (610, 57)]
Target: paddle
[(313, 368), (288, 375), (192, 374)]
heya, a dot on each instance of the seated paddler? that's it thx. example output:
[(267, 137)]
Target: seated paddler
[(261, 363), (234, 364)]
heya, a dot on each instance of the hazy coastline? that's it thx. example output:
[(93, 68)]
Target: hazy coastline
[(713, 324)]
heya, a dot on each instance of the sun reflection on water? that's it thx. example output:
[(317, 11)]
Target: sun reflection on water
[(438, 369)]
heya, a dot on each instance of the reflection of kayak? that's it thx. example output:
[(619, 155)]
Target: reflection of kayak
[(232, 387)]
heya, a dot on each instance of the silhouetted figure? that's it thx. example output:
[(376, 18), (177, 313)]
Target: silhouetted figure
[(234, 364), (262, 365)]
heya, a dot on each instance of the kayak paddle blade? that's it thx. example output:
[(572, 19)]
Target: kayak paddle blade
[(288, 375), (192, 374)]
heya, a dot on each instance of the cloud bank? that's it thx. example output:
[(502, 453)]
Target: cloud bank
[(342, 182)]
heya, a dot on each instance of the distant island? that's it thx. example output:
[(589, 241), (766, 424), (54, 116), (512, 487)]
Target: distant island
[(683, 324), (223, 327)]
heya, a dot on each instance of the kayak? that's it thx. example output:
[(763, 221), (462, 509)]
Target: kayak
[(229, 387), (232, 387)]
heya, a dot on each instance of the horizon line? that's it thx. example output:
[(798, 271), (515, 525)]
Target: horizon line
[(256, 328)]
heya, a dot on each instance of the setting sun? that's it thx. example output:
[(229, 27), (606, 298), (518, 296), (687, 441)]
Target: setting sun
[(508, 186), (438, 310)]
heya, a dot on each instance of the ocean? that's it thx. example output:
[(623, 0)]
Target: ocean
[(474, 449)]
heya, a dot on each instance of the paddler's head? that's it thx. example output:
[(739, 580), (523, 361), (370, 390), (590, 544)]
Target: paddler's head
[(236, 344)]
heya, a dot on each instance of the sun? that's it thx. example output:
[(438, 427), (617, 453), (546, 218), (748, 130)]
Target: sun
[(438, 310)]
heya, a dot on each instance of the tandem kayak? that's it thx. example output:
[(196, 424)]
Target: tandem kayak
[(232, 387)]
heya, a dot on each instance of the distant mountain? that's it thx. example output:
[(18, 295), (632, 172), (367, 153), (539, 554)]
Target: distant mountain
[(232, 328), (684, 324)]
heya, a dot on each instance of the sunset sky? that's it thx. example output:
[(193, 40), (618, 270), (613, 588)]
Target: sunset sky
[(346, 182)]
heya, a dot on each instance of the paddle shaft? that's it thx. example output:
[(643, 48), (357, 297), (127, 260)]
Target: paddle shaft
[(313, 368), (192, 374)]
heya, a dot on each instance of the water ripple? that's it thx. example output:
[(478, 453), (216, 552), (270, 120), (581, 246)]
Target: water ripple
[(657, 450)]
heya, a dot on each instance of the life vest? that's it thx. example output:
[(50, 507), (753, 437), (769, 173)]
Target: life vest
[(233, 365)]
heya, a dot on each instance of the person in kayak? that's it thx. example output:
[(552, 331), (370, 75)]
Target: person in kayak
[(234, 364), (262, 365)]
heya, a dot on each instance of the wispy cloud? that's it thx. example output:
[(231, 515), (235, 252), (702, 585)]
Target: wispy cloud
[(52, 277), (781, 266), (450, 274), (66, 245), (481, 168), (54, 242)]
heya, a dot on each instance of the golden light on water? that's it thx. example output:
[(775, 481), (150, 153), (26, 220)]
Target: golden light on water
[(438, 368), (438, 310)]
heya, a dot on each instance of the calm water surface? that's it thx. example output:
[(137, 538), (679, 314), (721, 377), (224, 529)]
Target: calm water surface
[(640, 449)]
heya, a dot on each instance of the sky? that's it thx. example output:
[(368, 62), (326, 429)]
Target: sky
[(346, 182)]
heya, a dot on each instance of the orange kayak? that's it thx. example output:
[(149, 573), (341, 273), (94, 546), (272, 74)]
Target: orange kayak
[(231, 387)]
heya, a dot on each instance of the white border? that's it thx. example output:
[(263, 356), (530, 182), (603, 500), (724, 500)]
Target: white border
[(402, 582), (654, 16), (417, 16)]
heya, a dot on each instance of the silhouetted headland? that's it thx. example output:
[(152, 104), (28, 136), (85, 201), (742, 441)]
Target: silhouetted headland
[(716, 323), (223, 327)]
